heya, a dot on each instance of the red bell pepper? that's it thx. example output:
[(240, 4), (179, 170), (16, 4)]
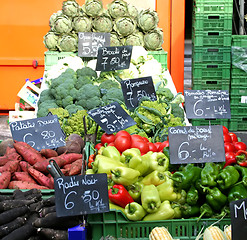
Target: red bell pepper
[(241, 157), (230, 158), (119, 195)]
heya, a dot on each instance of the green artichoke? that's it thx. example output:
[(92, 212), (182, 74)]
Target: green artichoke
[(134, 39), (70, 8), (153, 40), (50, 41), (68, 43), (103, 23), (117, 8), (53, 17), (82, 23), (124, 26), (147, 20), (62, 24), (115, 40), (93, 8), (133, 11)]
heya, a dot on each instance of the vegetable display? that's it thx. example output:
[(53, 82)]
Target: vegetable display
[(127, 24)]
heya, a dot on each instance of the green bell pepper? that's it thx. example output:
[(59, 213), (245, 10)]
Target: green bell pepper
[(89, 171), (187, 176), (128, 154), (177, 210), (110, 182), (227, 177), (164, 212), (125, 175), (243, 173), (134, 211), (237, 192), (113, 206), (209, 174), (103, 164), (138, 164), (111, 152), (135, 190), (192, 196), (189, 211), (155, 177), (150, 198), (205, 211), (182, 194)]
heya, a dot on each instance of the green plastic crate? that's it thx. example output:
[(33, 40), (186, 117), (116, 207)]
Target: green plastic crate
[(161, 56), (210, 84), (239, 41), (239, 81), (114, 223), (211, 54), (206, 122), (238, 95), (46, 193), (213, 6), (207, 71), (239, 109), (237, 72), (238, 123)]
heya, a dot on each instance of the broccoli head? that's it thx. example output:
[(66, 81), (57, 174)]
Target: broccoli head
[(86, 71), (164, 94), (177, 111), (45, 95), (108, 84), (73, 108), (82, 80), (113, 95), (67, 101), (43, 108)]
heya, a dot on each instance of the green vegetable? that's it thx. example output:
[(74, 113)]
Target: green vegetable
[(102, 23), (73, 108), (189, 211), (209, 174), (117, 8), (70, 8), (51, 41), (205, 211), (115, 40), (150, 198), (108, 84), (124, 26), (243, 174), (153, 40), (111, 152), (147, 20), (93, 8), (134, 39), (62, 24), (135, 190), (155, 177), (82, 23), (112, 95), (192, 196), (134, 211), (132, 11), (128, 154), (237, 192), (53, 17), (68, 43), (138, 164)]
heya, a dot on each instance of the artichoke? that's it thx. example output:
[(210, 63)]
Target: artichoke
[(68, 43), (103, 23), (124, 26), (135, 39), (53, 17), (133, 11), (70, 8), (62, 24), (147, 20), (82, 23), (115, 40), (93, 8), (50, 41), (153, 40), (117, 8)]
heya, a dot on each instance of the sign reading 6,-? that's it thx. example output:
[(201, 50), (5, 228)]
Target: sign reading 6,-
[(183, 154)]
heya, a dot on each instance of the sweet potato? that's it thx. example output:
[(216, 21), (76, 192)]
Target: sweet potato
[(48, 153), (4, 145), (10, 166), (40, 178), (24, 166), (28, 153), (70, 157), (42, 166), (3, 160), (23, 176), (12, 154), (4, 179), (24, 185), (76, 167)]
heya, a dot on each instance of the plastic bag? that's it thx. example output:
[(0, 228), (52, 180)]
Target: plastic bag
[(239, 58)]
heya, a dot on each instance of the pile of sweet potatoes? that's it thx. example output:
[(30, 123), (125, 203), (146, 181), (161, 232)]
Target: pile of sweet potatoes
[(25, 215), (23, 167)]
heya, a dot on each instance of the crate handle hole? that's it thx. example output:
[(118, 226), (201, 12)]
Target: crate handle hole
[(213, 50), (213, 33), (213, 17), (212, 66)]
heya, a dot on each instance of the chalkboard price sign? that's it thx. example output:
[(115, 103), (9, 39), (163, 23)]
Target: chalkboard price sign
[(135, 89), (112, 118), (113, 58), (39, 133), (196, 144), (207, 104), (81, 194), (238, 211), (90, 42)]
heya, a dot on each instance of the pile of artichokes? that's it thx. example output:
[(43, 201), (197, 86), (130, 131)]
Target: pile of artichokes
[(127, 25)]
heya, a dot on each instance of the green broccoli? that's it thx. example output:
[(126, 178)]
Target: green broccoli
[(61, 113), (177, 111), (82, 80), (113, 95), (164, 94), (43, 108), (73, 108), (108, 84), (179, 98), (86, 71), (45, 95), (67, 101)]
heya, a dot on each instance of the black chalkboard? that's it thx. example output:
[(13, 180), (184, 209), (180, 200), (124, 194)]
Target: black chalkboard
[(90, 42), (238, 211), (207, 104), (196, 144), (39, 133), (135, 89), (113, 58), (112, 118), (81, 194)]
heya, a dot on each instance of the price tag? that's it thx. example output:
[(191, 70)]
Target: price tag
[(39, 133), (112, 118), (196, 144), (113, 58), (82, 194), (135, 89), (207, 104), (238, 211), (90, 42)]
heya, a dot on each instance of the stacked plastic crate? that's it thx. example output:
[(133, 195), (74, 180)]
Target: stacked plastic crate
[(238, 91), (211, 47)]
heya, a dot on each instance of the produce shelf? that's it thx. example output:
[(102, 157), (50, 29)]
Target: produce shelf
[(238, 123), (237, 72), (239, 41), (206, 122), (210, 84), (115, 224)]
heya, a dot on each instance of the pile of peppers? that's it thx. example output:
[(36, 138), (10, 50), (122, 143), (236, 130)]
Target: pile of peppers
[(146, 187)]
